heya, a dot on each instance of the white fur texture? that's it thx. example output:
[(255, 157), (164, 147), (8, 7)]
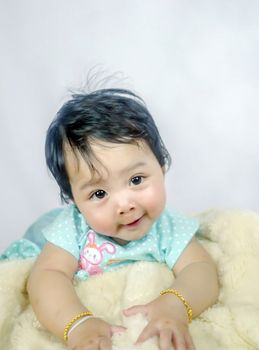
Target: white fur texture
[(232, 238)]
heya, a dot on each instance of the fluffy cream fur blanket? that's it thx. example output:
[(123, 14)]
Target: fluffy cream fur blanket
[(232, 238)]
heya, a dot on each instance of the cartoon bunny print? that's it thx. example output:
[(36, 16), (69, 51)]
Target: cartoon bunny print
[(92, 256)]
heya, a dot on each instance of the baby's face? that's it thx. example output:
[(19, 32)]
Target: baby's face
[(126, 196)]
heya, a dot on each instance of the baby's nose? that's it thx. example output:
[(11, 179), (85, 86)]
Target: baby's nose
[(125, 206)]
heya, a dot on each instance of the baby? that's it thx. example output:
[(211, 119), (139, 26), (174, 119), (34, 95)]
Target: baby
[(106, 154)]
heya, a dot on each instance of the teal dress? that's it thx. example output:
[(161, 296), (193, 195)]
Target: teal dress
[(33, 240), (95, 253)]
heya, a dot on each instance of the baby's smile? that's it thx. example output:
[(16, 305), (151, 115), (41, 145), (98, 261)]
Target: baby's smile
[(134, 223)]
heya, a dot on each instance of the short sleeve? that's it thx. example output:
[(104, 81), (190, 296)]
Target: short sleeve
[(175, 232), (64, 230)]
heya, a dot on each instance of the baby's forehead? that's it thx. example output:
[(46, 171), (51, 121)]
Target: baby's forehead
[(92, 151), (76, 161), (104, 159)]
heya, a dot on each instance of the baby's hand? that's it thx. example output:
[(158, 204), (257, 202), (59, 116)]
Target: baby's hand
[(93, 334), (168, 320)]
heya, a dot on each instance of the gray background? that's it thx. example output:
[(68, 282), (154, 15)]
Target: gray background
[(195, 63)]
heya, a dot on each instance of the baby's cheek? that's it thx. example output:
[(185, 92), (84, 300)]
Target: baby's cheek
[(100, 223), (155, 201)]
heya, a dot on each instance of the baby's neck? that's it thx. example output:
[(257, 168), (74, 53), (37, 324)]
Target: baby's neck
[(120, 241)]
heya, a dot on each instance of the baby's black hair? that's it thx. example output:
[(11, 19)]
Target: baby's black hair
[(111, 115)]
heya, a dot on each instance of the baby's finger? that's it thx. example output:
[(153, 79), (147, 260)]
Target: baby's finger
[(189, 342), (179, 341), (135, 310), (165, 339), (148, 332), (117, 329)]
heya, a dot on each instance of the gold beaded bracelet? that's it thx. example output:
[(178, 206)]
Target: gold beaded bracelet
[(187, 306), (74, 319)]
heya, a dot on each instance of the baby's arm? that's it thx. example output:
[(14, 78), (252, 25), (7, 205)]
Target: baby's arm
[(196, 277), (196, 280), (55, 301)]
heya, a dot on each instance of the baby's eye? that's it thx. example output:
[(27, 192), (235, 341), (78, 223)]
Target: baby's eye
[(136, 180), (100, 194)]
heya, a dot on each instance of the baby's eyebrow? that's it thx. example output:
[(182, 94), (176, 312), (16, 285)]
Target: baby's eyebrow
[(133, 167), (93, 182)]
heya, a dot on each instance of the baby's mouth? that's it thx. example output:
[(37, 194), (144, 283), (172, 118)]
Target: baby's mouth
[(134, 223)]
